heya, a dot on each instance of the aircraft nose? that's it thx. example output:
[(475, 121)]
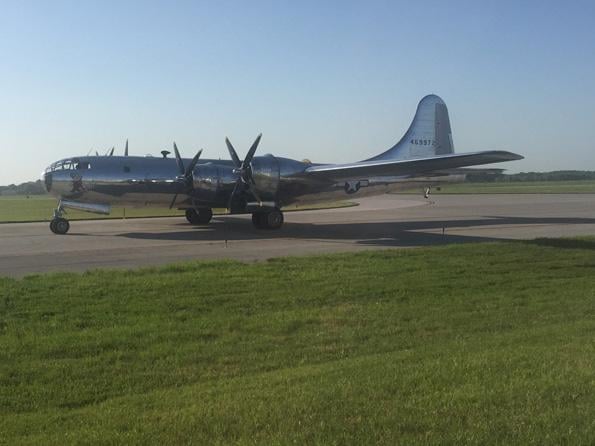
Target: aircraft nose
[(47, 181)]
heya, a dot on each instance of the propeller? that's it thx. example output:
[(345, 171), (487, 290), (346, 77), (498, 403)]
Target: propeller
[(185, 175), (110, 152), (126, 148), (243, 168)]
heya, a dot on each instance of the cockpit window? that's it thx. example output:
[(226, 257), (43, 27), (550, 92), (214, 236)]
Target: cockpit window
[(82, 165), (69, 164)]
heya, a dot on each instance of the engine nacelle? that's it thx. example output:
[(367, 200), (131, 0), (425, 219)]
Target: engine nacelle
[(208, 182), (265, 171), (214, 182)]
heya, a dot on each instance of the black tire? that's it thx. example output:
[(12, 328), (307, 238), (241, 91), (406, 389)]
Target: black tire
[(274, 219), (191, 216), (268, 220), (59, 226), (257, 220), (204, 216), (199, 216)]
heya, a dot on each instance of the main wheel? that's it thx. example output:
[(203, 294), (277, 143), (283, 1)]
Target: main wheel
[(273, 219), (59, 226), (191, 216), (199, 216), (268, 220), (257, 220), (204, 216)]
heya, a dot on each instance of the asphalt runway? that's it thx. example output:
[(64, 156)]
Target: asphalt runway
[(388, 221)]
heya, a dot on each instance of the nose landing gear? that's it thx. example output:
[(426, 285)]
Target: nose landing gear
[(59, 225)]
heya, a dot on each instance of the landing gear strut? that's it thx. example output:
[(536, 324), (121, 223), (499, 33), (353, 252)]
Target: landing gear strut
[(59, 225), (427, 191), (199, 216), (268, 220)]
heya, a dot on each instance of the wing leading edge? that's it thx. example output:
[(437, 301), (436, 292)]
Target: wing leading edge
[(410, 166)]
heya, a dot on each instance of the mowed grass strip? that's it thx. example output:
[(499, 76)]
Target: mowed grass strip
[(518, 187), (483, 343), (41, 208), (20, 208)]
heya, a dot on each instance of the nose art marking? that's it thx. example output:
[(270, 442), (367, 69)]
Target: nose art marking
[(77, 182)]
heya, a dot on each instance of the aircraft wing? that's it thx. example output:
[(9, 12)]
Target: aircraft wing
[(409, 166)]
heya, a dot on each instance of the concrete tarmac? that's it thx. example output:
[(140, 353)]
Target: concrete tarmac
[(388, 221)]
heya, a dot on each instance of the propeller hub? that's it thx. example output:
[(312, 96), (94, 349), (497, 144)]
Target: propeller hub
[(243, 169), (185, 175)]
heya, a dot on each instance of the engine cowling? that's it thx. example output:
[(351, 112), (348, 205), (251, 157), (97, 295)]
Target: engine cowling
[(214, 182), (265, 171), (207, 182)]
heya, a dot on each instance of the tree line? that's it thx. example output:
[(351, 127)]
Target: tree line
[(28, 188), (557, 175)]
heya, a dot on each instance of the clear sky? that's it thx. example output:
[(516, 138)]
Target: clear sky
[(324, 80)]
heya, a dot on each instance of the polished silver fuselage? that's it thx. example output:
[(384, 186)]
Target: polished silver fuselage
[(423, 157), (150, 181)]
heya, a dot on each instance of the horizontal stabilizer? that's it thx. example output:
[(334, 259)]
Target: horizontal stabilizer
[(410, 166)]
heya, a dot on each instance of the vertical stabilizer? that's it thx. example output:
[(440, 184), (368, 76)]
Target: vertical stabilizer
[(428, 135)]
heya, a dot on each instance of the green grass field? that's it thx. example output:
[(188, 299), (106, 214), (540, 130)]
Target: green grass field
[(461, 344), (40, 208), (527, 187)]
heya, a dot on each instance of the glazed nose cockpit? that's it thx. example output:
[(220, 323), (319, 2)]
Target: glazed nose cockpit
[(63, 177)]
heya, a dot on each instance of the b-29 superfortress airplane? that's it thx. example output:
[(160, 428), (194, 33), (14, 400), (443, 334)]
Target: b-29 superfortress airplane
[(261, 185)]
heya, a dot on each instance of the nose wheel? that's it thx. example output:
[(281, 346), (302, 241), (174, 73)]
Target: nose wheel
[(59, 226), (268, 220)]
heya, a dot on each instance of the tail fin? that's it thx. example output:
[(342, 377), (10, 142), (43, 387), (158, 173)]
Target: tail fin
[(428, 135)]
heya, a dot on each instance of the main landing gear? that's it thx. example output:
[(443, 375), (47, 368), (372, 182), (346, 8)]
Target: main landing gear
[(199, 216), (59, 225), (268, 220)]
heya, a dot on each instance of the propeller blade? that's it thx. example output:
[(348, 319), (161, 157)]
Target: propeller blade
[(173, 201), (192, 165), (232, 153), (126, 149), (252, 151), (179, 160), (233, 194), (245, 179), (96, 153), (111, 152)]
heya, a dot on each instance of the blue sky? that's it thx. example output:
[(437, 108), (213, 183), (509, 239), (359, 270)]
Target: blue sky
[(329, 81)]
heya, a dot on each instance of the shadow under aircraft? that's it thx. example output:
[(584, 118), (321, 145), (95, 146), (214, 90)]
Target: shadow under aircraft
[(389, 234)]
